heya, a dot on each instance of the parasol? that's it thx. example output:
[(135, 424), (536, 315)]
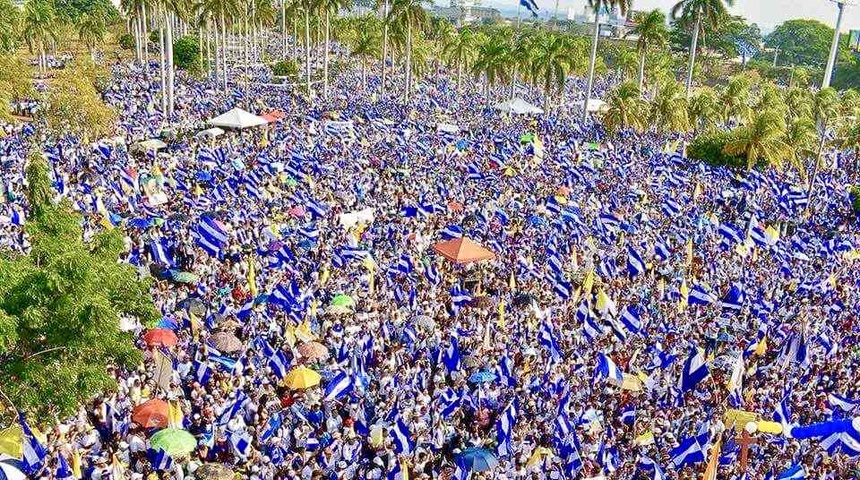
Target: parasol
[(160, 337), (151, 414), (302, 377), (226, 342), (174, 441), (313, 351), (463, 250)]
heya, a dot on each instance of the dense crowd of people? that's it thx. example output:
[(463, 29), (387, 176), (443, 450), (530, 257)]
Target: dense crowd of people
[(636, 304)]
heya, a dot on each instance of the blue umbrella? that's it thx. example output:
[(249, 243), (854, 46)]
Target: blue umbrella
[(477, 459), (482, 377), (140, 223), (204, 176)]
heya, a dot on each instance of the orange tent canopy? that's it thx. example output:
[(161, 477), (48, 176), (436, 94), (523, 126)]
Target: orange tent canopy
[(463, 250)]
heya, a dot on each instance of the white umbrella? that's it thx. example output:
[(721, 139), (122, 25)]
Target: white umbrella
[(209, 133), (152, 144), (11, 469), (518, 106), (237, 118), (594, 105)]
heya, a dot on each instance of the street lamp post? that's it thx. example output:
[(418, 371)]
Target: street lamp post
[(834, 47)]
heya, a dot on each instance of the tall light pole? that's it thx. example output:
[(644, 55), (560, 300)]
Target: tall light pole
[(834, 47)]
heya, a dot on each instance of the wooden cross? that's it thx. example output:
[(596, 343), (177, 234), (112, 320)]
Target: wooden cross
[(745, 441)]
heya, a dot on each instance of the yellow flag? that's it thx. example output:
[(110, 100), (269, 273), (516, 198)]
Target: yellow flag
[(512, 282), (404, 469), (195, 325), (605, 302), (713, 462), (501, 322), (689, 251), (646, 438), (252, 277), (685, 293), (11, 440), (588, 283), (761, 348), (174, 414), (324, 276), (76, 463), (772, 233)]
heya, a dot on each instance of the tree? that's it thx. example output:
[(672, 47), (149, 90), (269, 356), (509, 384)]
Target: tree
[(704, 109), (39, 28), (493, 62), (651, 30), (848, 138), (10, 24), (694, 13), (763, 139), (803, 42), (72, 11), (91, 30), (73, 104), (329, 7), (735, 100), (669, 111), (598, 6), (186, 54), (550, 64), (60, 307), (801, 137), (365, 47), (15, 83), (410, 16), (460, 51), (625, 109)]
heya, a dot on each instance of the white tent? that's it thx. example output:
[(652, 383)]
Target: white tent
[(153, 144), (447, 128), (237, 118), (518, 106), (209, 133), (594, 105)]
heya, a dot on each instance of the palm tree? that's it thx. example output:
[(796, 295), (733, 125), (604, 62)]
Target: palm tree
[(10, 20), (597, 6), (798, 103), (494, 61), (735, 100), (704, 109), (651, 30), (627, 63), (459, 50), (800, 137), (849, 139), (91, 30), (410, 16), (762, 139), (39, 28), (328, 8), (625, 109), (694, 12), (550, 64), (825, 110), (770, 96), (366, 47), (669, 111)]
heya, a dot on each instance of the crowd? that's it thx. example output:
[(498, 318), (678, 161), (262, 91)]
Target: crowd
[(636, 305)]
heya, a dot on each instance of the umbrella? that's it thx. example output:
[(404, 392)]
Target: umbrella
[(338, 310), (563, 191), (477, 459), (151, 414), (174, 441), (297, 211), (11, 469), (185, 277), (314, 351), (160, 337), (226, 342), (213, 471), (141, 223), (425, 322), (482, 377), (194, 306), (463, 250), (302, 377), (342, 300)]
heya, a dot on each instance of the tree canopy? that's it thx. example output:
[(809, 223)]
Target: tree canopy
[(60, 307), (803, 42)]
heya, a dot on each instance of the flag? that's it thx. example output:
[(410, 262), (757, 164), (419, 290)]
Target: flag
[(841, 402), (64, 472), (605, 304), (33, 453), (273, 424), (451, 355), (547, 339), (159, 459), (695, 370), (630, 319), (699, 295), (504, 430), (713, 462), (794, 472), (690, 450), (403, 443), (340, 386), (607, 369), (654, 470), (11, 441), (635, 264), (735, 385), (241, 444), (782, 413), (398, 471)]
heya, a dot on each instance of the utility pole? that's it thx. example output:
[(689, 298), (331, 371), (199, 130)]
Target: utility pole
[(834, 47), (775, 54)]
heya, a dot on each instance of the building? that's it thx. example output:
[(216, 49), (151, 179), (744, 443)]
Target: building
[(464, 12), (611, 25)]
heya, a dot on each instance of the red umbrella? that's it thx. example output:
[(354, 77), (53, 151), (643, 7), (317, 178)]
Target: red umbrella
[(151, 414), (297, 211), (463, 250), (160, 337)]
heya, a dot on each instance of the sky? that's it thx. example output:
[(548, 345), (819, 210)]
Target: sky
[(766, 13)]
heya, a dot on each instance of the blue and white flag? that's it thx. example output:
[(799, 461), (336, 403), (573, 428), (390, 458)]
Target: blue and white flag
[(690, 450), (273, 424), (841, 402), (782, 413), (531, 6), (630, 319), (652, 467), (607, 369), (794, 472), (699, 295), (159, 459), (451, 355), (504, 430), (547, 339), (33, 453), (241, 444), (695, 370), (339, 387), (635, 264), (403, 443)]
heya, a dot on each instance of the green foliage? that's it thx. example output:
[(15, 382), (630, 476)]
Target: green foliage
[(14, 83), (710, 148), (71, 11), (626, 109), (10, 24), (186, 54), (847, 74), (153, 36), (854, 192), (126, 41), (60, 308), (73, 104), (804, 42), (285, 68)]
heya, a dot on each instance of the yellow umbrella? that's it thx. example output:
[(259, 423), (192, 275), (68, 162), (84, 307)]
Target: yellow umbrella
[(302, 377)]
